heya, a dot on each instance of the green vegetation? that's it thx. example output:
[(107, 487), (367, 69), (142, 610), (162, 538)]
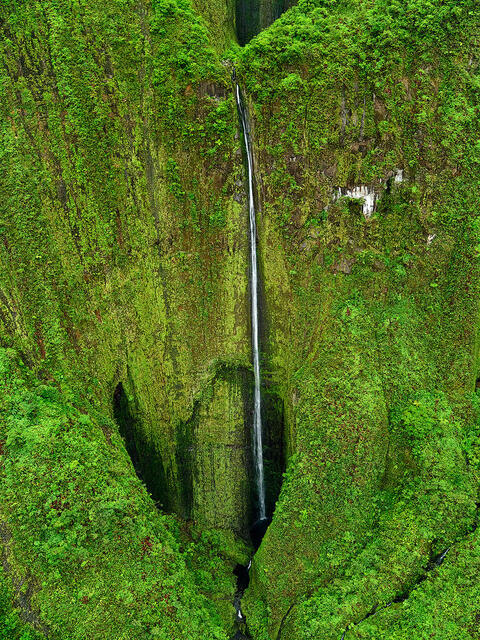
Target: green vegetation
[(124, 259), (367, 317), (79, 519)]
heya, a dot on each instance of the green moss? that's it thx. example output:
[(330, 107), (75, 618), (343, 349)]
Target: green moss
[(83, 527), (119, 239), (124, 258), (12, 618), (364, 314)]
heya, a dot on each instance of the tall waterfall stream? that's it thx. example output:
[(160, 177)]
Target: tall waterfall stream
[(260, 525), (257, 409)]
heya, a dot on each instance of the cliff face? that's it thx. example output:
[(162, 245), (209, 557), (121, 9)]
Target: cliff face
[(124, 294), (125, 247), (373, 315), (252, 16), (124, 256)]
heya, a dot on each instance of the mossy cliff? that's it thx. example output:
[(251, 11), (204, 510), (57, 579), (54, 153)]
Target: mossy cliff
[(372, 318), (124, 259), (251, 16), (124, 294), (125, 249)]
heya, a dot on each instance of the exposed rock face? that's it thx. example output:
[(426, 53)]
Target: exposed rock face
[(254, 15), (222, 456)]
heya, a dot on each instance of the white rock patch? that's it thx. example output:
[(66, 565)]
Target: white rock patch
[(362, 192), (366, 193)]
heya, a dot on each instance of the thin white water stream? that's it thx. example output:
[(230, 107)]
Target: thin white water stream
[(257, 417)]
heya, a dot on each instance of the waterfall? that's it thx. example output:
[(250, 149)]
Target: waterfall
[(257, 417)]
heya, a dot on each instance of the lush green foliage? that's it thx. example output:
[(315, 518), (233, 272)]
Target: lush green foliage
[(106, 561), (124, 258), (382, 342)]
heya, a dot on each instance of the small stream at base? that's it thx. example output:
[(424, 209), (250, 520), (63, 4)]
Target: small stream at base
[(243, 578)]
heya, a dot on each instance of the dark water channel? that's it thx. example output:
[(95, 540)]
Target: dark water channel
[(257, 532)]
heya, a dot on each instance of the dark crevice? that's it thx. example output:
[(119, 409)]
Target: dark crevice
[(258, 530), (23, 587), (243, 579), (273, 458), (184, 458), (284, 619), (247, 17), (433, 563), (125, 422), (145, 458)]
